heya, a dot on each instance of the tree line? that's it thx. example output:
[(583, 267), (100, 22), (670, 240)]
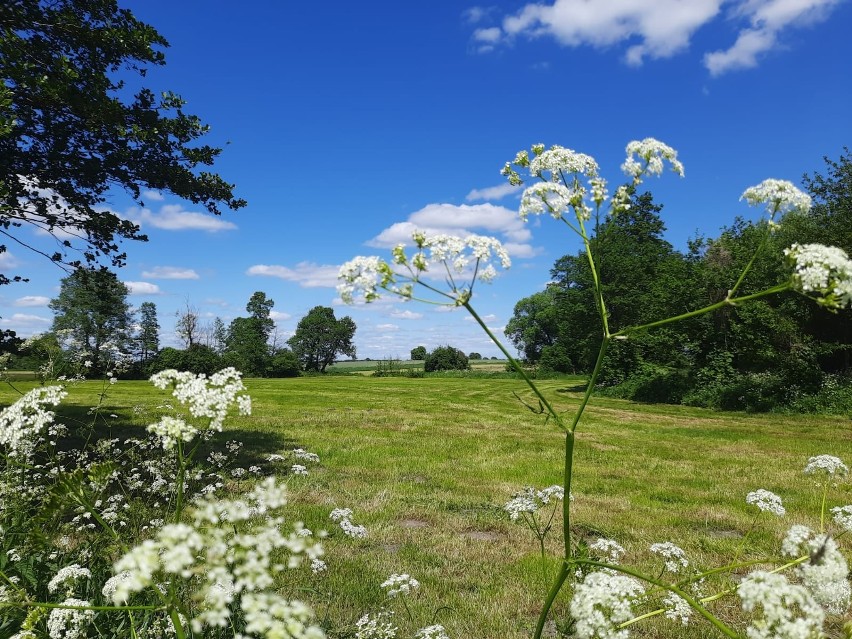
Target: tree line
[(95, 331), (772, 353)]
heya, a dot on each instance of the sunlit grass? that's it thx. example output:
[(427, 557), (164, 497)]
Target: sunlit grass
[(427, 464)]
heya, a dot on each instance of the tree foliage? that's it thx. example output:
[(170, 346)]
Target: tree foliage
[(446, 358), (92, 309), (149, 331), (73, 126), (320, 337), (418, 352)]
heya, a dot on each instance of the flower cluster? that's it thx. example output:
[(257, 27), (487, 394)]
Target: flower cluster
[(207, 397), (343, 517), (472, 256), (224, 564), (377, 626), (436, 631), (71, 622), (609, 549), (675, 558), (828, 464), (651, 155), (786, 611), (27, 417), (67, 576), (400, 584), (530, 500), (171, 430), (766, 501), (779, 196), (603, 601), (822, 272), (843, 517), (825, 572)]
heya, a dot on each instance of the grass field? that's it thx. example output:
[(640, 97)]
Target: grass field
[(427, 465)]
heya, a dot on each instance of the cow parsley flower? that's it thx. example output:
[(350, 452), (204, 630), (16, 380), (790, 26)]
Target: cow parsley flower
[(436, 631), (603, 601), (377, 626), (558, 161), (677, 608), (343, 517), (67, 576), (843, 517), (206, 397), (400, 584), (784, 610), (609, 549), (825, 572), (675, 558), (826, 463), (270, 615), (766, 501), (650, 156), (530, 500), (822, 272), (171, 430), (69, 623), (299, 469), (779, 196), (27, 417)]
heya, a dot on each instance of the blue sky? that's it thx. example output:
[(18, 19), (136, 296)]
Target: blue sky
[(340, 120)]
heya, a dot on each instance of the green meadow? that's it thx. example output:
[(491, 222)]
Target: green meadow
[(427, 465)]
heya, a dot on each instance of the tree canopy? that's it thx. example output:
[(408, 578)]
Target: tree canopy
[(320, 337), (73, 126)]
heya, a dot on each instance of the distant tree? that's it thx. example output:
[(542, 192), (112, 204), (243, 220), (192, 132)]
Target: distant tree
[(446, 358), (474, 355), (320, 337), (197, 359), (248, 337), (188, 325), (149, 331), (419, 352), (76, 126), (283, 363), (259, 308), (534, 325), (92, 308), (218, 334)]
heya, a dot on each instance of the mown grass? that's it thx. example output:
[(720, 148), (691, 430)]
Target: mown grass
[(427, 464)]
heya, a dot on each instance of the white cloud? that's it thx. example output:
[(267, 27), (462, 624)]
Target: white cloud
[(24, 320), (7, 260), (173, 217), (767, 18), (305, 274), (461, 220), (407, 315), (387, 327), (491, 317), (493, 192), (143, 288), (155, 196), (278, 316), (32, 301), (659, 29), (171, 273)]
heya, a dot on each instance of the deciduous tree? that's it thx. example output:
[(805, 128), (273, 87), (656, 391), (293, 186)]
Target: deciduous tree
[(320, 337)]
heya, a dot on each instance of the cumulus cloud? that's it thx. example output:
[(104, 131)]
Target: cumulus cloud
[(156, 196), (406, 315), (305, 274), (171, 273), (278, 316), (7, 260), (173, 217), (387, 327), (32, 301), (24, 321), (659, 29), (143, 288), (461, 220), (493, 192)]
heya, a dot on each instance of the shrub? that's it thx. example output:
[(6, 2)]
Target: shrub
[(284, 363), (446, 358), (419, 353)]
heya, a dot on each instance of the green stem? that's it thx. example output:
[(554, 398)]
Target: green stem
[(822, 509), (175, 617), (590, 386), (766, 235), (551, 597)]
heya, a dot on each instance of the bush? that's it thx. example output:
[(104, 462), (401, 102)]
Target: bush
[(388, 368), (284, 363), (474, 355), (418, 353), (195, 359), (446, 358)]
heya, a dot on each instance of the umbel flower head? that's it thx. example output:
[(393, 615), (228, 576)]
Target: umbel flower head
[(822, 272), (21, 422), (603, 601), (461, 260), (779, 196), (766, 501)]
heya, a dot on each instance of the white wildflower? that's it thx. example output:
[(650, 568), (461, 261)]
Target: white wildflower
[(545, 197), (26, 418), (339, 514), (779, 196), (651, 154), (827, 464), (558, 161), (784, 610), (343, 517), (67, 576), (825, 572), (609, 549), (843, 517), (400, 584), (377, 626), (766, 501), (270, 615), (301, 453), (677, 609), (298, 469), (69, 623), (823, 272), (171, 430), (206, 397), (112, 584), (436, 631), (675, 558), (602, 602), (530, 500), (318, 566)]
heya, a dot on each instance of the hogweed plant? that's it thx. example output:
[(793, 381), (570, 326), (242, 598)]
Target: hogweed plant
[(567, 186)]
